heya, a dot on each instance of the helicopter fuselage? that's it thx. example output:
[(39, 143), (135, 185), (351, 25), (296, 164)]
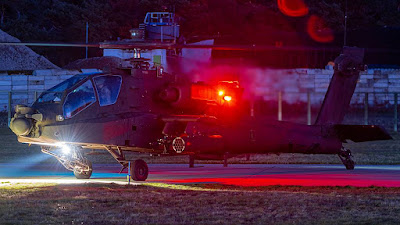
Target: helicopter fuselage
[(145, 110)]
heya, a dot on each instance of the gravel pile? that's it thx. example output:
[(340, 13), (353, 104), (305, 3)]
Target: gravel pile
[(20, 57)]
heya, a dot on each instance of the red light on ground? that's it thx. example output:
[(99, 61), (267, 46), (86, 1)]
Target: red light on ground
[(359, 180), (318, 31), (294, 8), (227, 98), (221, 92)]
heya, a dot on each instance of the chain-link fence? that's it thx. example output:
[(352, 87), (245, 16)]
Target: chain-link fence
[(366, 108)]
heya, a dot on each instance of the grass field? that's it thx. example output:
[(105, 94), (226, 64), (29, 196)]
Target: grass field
[(159, 203), (200, 204), (377, 152)]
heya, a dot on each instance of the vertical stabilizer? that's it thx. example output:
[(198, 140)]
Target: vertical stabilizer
[(344, 80)]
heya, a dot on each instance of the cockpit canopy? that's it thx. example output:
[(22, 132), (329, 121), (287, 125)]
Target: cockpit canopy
[(78, 92), (55, 93)]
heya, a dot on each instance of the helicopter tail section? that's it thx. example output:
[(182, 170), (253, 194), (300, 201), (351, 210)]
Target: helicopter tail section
[(337, 100), (341, 88)]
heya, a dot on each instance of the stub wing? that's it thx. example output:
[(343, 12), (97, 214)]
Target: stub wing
[(176, 124), (360, 133)]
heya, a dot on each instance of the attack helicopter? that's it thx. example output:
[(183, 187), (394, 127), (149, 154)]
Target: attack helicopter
[(145, 109)]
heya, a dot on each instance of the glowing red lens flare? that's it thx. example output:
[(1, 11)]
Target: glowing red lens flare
[(294, 8), (318, 31)]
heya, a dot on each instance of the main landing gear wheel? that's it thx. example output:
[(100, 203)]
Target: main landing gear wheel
[(139, 170), (347, 158), (83, 173)]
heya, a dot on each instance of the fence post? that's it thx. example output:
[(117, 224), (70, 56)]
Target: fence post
[(395, 112), (366, 109), (252, 108), (9, 107), (35, 96), (280, 105), (308, 108)]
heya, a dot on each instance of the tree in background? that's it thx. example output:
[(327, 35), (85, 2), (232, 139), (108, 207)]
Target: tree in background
[(65, 20)]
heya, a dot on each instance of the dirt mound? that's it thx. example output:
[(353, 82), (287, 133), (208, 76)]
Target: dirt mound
[(20, 57), (95, 63)]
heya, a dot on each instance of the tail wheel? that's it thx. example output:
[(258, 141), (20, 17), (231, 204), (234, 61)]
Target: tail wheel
[(347, 159), (350, 165), (83, 173), (139, 170)]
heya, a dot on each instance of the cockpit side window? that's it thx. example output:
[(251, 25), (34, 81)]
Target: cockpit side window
[(79, 99), (108, 88)]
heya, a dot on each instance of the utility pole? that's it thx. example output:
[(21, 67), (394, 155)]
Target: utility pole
[(162, 38), (345, 25), (174, 25), (87, 38)]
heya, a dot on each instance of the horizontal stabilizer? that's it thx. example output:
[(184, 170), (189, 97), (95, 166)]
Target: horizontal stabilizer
[(360, 133)]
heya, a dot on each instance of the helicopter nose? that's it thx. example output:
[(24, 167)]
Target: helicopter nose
[(21, 126)]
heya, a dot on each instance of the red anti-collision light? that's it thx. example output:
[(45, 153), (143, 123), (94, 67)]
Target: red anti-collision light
[(227, 98), (215, 136)]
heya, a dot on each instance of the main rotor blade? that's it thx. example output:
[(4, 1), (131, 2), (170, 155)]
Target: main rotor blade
[(79, 45), (132, 45), (135, 45), (143, 46)]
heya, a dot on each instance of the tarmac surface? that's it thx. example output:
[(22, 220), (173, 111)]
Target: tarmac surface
[(234, 174)]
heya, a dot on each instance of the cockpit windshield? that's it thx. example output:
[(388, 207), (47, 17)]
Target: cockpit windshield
[(55, 93), (79, 99)]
